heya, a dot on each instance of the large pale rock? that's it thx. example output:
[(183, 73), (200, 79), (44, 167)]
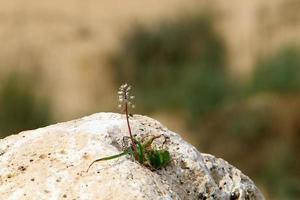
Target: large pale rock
[(51, 163)]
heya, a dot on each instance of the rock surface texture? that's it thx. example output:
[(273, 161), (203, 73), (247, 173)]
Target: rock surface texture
[(51, 163)]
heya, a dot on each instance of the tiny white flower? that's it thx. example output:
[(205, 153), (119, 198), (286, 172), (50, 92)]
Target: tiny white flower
[(124, 96)]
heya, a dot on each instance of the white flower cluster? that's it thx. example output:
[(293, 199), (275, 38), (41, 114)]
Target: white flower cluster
[(125, 97)]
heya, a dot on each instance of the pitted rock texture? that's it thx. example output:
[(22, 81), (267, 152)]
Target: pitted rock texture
[(51, 163)]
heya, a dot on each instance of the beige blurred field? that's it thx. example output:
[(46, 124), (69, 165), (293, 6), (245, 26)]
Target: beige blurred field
[(68, 41)]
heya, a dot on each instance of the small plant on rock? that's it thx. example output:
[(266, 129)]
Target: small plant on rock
[(141, 151)]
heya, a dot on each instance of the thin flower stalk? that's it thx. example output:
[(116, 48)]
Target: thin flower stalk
[(125, 102)]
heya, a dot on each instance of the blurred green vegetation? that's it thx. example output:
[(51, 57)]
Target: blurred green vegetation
[(172, 62), (279, 73), (181, 66), (20, 108), (205, 90)]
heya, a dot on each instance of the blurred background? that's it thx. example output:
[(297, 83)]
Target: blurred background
[(226, 76)]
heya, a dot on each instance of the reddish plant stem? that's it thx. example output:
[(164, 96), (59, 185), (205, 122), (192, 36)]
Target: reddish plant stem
[(129, 130)]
